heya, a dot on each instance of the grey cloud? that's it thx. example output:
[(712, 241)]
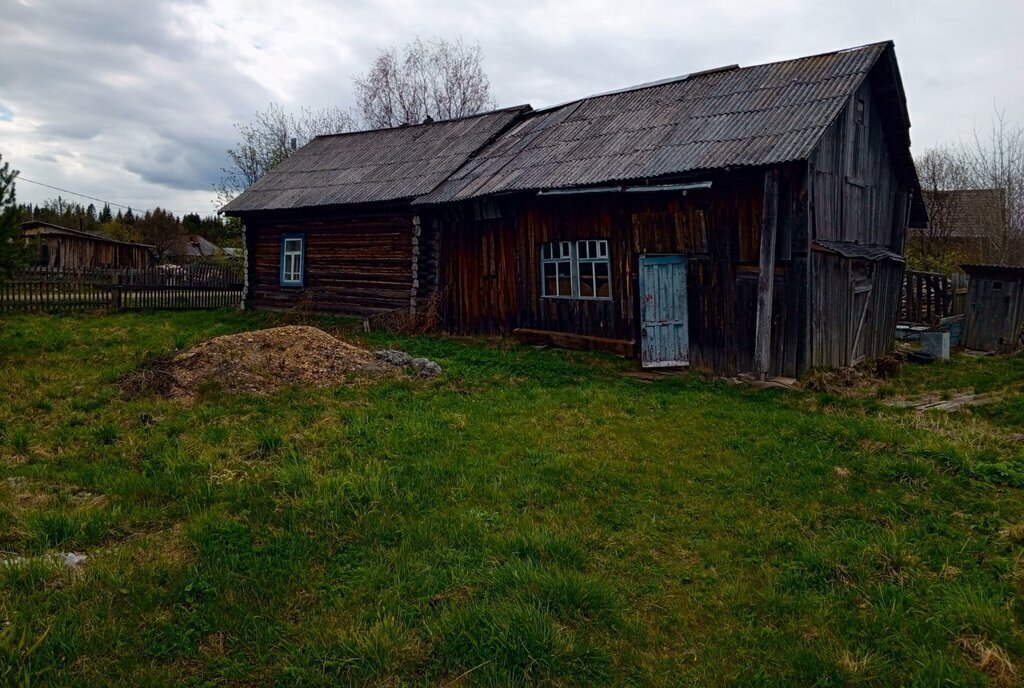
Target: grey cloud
[(145, 103)]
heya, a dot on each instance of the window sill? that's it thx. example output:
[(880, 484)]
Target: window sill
[(577, 298)]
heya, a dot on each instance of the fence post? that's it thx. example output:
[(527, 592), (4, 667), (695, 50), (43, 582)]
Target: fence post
[(115, 296)]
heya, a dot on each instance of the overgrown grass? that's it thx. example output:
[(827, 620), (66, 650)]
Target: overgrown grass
[(531, 517)]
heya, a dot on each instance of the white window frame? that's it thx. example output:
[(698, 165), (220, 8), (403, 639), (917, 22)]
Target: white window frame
[(595, 252), (294, 276)]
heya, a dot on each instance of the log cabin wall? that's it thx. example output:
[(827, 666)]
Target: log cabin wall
[(356, 263), (490, 264), (856, 198)]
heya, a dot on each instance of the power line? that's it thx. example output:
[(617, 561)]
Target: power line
[(20, 178)]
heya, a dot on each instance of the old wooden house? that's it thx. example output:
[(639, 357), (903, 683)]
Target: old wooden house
[(737, 219), (332, 228), (64, 248)]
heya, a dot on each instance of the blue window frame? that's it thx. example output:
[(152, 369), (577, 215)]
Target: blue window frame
[(293, 259), (576, 270)]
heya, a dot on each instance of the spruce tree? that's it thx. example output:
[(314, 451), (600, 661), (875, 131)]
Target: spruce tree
[(13, 252)]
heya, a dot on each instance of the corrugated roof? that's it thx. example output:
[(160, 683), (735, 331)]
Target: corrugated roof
[(372, 166), (989, 270), (850, 249), (751, 116)]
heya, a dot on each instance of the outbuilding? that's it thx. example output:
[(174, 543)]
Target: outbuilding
[(64, 248), (995, 308)]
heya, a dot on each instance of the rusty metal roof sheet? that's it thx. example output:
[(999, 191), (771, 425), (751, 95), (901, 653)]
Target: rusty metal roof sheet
[(849, 249), (372, 166), (751, 116)]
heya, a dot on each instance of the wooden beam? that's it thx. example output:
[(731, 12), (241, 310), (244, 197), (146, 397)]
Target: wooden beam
[(621, 347), (766, 279)]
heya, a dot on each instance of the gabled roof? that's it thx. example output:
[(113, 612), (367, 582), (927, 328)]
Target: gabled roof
[(195, 245), (750, 116), (50, 229), (966, 213), (372, 166)]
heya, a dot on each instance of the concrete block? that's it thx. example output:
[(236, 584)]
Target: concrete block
[(936, 344)]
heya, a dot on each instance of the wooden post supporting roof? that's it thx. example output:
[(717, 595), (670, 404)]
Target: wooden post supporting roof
[(766, 278)]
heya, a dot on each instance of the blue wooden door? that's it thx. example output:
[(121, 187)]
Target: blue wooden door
[(664, 334)]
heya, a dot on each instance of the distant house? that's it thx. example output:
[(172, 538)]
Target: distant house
[(736, 220), (73, 249), (967, 222), (193, 247)]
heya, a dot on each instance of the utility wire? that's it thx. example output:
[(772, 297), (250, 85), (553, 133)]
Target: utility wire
[(100, 200)]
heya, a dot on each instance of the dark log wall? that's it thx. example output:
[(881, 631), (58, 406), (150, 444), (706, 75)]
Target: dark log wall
[(490, 264), (856, 197), (360, 264)]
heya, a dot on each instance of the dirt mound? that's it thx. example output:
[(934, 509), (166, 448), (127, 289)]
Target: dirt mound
[(259, 362)]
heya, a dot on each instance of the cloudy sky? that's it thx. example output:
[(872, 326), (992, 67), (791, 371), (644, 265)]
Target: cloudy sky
[(133, 101)]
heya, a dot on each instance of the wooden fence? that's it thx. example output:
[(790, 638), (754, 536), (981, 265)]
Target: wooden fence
[(197, 285), (928, 297)]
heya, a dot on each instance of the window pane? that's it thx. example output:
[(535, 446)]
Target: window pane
[(564, 250), (583, 249), (602, 283), (564, 278), (586, 280), (293, 245), (549, 283), (602, 249)]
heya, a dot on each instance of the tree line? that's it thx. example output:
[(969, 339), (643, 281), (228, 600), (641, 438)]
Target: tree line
[(157, 227)]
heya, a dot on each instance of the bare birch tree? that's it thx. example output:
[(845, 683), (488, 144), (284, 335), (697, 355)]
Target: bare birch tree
[(943, 174), (270, 138), (995, 160), (989, 228), (438, 79)]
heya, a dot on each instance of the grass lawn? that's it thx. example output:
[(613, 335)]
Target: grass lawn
[(531, 517)]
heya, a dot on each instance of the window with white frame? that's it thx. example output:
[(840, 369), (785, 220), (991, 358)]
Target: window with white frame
[(576, 269), (292, 256)]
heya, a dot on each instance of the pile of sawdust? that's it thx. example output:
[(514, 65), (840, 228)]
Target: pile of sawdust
[(259, 362)]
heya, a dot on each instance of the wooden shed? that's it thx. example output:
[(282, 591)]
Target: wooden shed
[(63, 248), (995, 308), (736, 220)]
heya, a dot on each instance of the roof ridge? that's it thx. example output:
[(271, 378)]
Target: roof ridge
[(703, 73), (525, 107)]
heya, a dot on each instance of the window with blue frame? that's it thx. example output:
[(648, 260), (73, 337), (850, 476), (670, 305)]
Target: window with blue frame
[(293, 258), (576, 270)]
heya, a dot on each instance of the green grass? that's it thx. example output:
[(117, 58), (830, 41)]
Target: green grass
[(530, 517)]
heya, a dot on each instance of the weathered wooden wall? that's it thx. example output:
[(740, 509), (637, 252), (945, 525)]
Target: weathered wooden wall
[(82, 253), (357, 264), (995, 310), (854, 309), (490, 264), (856, 198)]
